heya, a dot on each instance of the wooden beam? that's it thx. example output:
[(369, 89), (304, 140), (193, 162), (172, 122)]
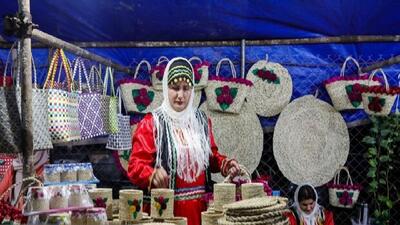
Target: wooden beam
[(52, 41), (289, 41), (25, 60), (382, 64)]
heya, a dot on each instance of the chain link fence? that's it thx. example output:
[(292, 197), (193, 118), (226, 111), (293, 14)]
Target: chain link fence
[(308, 77)]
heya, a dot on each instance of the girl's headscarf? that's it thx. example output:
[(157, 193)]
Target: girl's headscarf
[(307, 219)]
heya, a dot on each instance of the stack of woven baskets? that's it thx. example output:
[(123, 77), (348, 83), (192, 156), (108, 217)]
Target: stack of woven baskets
[(256, 211)]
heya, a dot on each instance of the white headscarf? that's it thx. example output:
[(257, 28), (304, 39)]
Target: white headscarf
[(309, 219), (193, 157)]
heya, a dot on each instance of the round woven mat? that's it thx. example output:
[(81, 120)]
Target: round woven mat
[(269, 99), (252, 203), (253, 212), (264, 216), (239, 136), (273, 221), (310, 141)]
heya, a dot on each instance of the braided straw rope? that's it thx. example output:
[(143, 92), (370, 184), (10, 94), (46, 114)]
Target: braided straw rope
[(269, 99), (239, 136), (310, 141)]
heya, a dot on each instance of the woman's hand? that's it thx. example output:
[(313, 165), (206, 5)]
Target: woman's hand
[(234, 168), (160, 178)]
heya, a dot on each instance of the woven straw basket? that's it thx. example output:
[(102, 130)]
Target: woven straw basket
[(130, 205), (343, 90), (162, 203), (343, 196), (210, 218), (226, 94), (138, 95), (177, 220), (102, 197), (272, 87), (78, 217), (96, 216), (310, 156), (224, 193), (201, 71), (158, 72), (378, 101)]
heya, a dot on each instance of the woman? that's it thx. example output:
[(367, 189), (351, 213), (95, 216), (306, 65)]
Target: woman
[(306, 210), (173, 147)]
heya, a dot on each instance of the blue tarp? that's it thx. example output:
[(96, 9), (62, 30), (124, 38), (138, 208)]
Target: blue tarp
[(309, 65)]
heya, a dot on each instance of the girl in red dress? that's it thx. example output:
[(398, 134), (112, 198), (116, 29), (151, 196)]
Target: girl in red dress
[(173, 147), (306, 210)]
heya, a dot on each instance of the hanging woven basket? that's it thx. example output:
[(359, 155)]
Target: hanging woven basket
[(343, 195), (226, 94), (272, 87), (157, 73), (345, 92), (201, 71), (138, 95), (379, 100)]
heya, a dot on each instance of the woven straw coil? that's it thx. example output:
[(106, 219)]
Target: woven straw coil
[(239, 136), (269, 99), (258, 217), (273, 221), (310, 141)]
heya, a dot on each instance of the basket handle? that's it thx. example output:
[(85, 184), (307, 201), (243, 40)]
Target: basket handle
[(7, 62), (384, 77), (140, 64), (337, 176), (79, 66), (161, 60), (349, 58), (243, 172), (195, 58), (95, 79), (33, 181), (231, 65), (109, 73)]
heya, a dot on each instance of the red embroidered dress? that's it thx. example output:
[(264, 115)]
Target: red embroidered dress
[(188, 195)]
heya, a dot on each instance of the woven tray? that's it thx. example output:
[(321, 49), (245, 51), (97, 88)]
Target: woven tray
[(253, 203), (253, 212), (261, 217), (275, 221)]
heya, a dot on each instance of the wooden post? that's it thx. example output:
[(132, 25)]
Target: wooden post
[(58, 43), (26, 94)]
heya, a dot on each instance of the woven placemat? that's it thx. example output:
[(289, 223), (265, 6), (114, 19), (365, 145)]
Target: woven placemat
[(269, 98), (252, 203), (310, 141), (264, 216), (239, 136)]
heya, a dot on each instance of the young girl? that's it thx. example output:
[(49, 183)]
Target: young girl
[(306, 210)]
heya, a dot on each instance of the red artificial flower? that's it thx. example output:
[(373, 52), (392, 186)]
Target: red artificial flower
[(375, 105), (345, 199)]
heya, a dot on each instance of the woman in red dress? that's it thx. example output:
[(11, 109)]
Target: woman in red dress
[(306, 210), (173, 147)]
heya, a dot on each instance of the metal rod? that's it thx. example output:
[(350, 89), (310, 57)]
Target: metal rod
[(382, 64), (243, 57), (293, 41), (50, 40), (25, 60)]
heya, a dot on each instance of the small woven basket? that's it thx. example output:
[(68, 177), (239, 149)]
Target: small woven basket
[(102, 197), (379, 100), (158, 72), (96, 216), (78, 217), (162, 203), (59, 219), (210, 218), (344, 91), (130, 205), (226, 94), (343, 196), (138, 95), (224, 193), (177, 220), (201, 71)]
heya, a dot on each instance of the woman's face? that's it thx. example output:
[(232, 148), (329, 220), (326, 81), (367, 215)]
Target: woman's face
[(179, 95), (307, 205)]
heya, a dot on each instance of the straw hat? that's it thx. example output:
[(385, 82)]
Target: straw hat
[(310, 141), (239, 136), (269, 97)]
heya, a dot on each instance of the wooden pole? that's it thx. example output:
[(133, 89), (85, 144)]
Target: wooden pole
[(52, 41), (25, 59), (382, 64), (291, 41)]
